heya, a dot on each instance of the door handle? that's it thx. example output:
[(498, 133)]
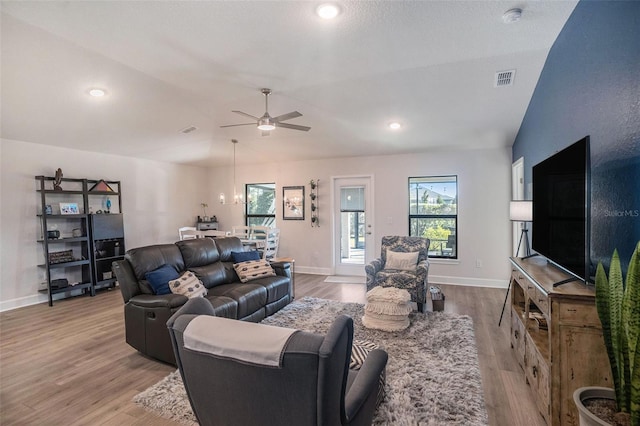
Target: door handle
[(369, 233)]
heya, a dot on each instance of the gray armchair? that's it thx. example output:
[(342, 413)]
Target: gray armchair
[(414, 281), (312, 385)]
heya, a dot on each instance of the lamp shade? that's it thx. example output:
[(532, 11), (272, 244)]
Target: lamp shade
[(521, 211)]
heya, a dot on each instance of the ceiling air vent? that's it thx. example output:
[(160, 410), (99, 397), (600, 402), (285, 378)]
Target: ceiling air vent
[(188, 129), (504, 78)]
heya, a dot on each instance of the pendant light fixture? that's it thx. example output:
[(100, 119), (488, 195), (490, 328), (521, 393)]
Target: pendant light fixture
[(237, 198)]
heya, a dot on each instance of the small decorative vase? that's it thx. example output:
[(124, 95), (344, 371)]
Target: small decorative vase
[(587, 418)]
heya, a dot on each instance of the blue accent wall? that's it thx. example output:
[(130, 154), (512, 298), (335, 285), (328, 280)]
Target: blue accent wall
[(590, 85)]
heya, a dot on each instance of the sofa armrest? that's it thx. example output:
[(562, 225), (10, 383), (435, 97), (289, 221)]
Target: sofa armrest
[(282, 268), (371, 270), (365, 384), (169, 301), (422, 272), (193, 307), (126, 278)]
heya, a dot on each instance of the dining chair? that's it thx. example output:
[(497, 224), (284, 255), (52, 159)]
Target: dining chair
[(241, 231), (260, 232), (187, 233), (270, 249)]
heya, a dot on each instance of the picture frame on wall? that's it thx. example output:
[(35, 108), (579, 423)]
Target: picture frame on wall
[(69, 208), (293, 202)]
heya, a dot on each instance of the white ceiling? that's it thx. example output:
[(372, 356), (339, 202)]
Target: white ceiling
[(173, 64)]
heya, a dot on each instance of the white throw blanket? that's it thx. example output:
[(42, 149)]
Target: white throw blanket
[(243, 341)]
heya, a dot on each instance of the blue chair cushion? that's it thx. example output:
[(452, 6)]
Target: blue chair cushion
[(244, 256), (159, 279)]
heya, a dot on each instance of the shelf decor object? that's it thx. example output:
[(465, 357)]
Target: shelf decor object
[(101, 185), (313, 194), (68, 208), (293, 202)]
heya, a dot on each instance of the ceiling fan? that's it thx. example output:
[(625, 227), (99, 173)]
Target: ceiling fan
[(266, 123)]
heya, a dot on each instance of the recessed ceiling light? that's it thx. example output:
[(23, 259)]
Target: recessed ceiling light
[(395, 125), (327, 11), (512, 15), (97, 92)]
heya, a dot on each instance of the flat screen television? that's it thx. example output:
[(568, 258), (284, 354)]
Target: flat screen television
[(561, 209)]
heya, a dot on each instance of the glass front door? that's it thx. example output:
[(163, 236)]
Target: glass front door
[(353, 229)]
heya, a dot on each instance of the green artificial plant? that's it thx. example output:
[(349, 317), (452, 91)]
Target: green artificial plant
[(618, 307)]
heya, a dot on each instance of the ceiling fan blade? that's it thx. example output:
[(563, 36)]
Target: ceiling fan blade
[(266, 133), (246, 115), (235, 125), (293, 126), (287, 116)]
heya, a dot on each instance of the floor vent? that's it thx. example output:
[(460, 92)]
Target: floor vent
[(504, 78), (188, 129)]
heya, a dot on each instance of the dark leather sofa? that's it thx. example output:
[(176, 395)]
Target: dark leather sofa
[(146, 314)]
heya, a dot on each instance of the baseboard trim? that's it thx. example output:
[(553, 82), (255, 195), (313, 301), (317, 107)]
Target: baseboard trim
[(466, 281), (21, 302), (314, 270), (433, 279)]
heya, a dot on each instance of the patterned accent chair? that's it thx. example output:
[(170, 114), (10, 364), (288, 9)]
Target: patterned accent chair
[(415, 282)]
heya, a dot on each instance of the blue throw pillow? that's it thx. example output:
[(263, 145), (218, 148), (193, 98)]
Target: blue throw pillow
[(244, 256), (159, 279)]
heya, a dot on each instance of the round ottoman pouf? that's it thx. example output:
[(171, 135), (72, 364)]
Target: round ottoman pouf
[(387, 309)]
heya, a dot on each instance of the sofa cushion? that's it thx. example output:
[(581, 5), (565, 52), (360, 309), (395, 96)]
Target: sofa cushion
[(228, 245), (189, 285), (159, 279), (243, 256), (223, 306), (215, 274), (145, 259), (198, 252), (253, 270), (250, 297), (277, 287)]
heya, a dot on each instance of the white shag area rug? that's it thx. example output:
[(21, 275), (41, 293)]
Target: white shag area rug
[(433, 377), (345, 279)]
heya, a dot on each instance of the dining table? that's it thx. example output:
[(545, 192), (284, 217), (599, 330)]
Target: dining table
[(254, 243)]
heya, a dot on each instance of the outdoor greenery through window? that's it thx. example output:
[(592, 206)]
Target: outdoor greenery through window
[(261, 204), (433, 213)]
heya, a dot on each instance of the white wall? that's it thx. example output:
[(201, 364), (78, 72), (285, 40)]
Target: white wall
[(483, 221), (160, 197), (157, 198)]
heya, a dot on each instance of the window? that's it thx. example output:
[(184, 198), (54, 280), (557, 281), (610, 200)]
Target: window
[(433, 213), (261, 204)]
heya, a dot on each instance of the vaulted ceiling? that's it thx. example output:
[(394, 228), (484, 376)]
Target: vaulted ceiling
[(170, 65)]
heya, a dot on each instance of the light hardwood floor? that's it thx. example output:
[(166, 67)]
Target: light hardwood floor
[(69, 364)]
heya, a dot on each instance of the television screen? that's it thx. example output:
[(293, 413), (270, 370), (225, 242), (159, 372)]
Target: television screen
[(560, 230)]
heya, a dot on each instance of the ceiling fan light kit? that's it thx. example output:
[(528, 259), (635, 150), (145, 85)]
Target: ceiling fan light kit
[(266, 123)]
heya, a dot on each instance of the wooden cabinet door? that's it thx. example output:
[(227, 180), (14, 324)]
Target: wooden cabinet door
[(582, 362), (517, 336)]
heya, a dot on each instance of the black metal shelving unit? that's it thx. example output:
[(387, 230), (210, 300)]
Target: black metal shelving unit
[(84, 269)]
